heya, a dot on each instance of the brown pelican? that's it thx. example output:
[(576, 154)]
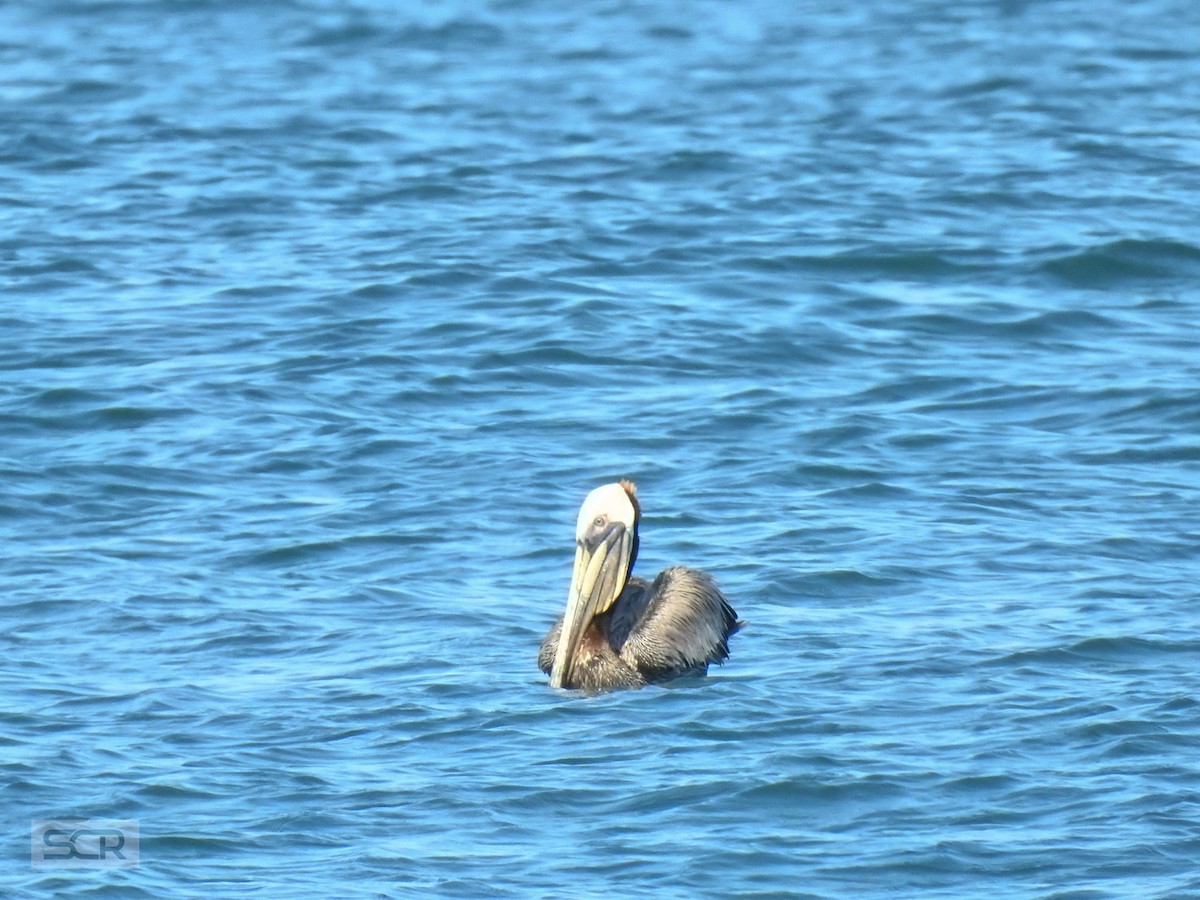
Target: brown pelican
[(620, 630)]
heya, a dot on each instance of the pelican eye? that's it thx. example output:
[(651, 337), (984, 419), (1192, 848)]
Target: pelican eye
[(599, 522)]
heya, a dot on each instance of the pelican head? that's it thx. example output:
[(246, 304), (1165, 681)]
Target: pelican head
[(605, 548)]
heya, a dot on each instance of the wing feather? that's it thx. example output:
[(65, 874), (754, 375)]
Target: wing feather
[(686, 626), (550, 646)]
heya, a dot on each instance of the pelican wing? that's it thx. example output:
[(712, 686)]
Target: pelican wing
[(550, 646), (686, 625)]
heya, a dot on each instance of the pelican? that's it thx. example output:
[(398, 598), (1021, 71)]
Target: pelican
[(623, 631)]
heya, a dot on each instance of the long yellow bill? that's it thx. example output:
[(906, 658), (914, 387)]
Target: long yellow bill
[(599, 578)]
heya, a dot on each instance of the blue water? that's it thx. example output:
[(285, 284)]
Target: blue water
[(320, 319)]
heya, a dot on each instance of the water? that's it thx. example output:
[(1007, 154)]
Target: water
[(320, 319)]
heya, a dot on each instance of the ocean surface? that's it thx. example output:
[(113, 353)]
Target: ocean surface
[(321, 318)]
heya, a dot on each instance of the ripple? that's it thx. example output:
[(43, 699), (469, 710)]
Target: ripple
[(1127, 260)]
